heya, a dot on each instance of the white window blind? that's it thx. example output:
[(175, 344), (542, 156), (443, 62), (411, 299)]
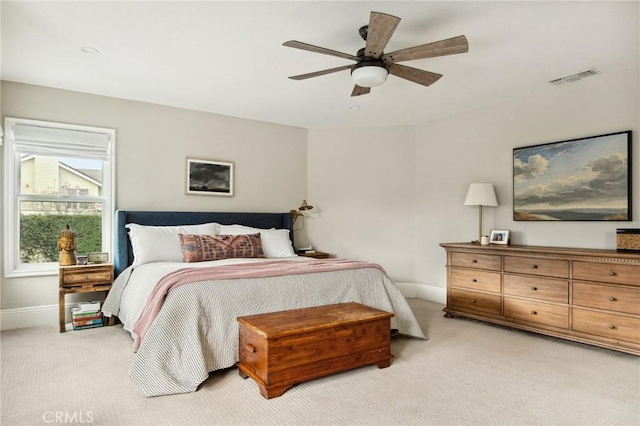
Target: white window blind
[(38, 140)]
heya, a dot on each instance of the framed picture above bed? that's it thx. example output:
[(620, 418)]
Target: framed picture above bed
[(587, 179), (207, 177)]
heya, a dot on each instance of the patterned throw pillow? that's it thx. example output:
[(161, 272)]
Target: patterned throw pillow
[(199, 248)]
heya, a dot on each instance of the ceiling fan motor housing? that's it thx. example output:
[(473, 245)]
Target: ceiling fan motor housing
[(364, 31)]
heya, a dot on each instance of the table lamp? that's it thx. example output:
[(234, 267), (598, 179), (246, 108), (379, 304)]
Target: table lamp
[(481, 194), (300, 212)]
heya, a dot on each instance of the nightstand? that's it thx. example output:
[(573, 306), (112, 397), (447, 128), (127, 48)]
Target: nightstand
[(316, 255), (82, 279)]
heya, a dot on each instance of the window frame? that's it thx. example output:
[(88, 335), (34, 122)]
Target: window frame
[(13, 266)]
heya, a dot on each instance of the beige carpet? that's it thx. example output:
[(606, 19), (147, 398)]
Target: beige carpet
[(468, 373)]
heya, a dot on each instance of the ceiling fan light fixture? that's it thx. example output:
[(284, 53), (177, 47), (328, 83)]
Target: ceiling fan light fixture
[(369, 75)]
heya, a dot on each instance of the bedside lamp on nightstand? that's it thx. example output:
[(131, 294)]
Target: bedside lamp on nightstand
[(307, 251), (300, 212), (481, 194)]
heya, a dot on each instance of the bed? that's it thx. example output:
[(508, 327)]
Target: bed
[(182, 316)]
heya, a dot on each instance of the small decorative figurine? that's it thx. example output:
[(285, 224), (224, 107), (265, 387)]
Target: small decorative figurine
[(67, 247)]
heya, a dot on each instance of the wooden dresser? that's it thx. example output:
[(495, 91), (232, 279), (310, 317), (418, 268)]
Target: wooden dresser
[(585, 295)]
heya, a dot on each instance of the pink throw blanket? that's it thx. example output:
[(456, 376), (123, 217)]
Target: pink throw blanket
[(240, 271)]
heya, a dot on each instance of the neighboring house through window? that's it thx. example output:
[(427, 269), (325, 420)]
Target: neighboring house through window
[(55, 175)]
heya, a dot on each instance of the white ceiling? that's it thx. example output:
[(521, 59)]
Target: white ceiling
[(227, 57)]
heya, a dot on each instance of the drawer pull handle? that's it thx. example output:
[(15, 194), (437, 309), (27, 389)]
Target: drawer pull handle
[(612, 327), (474, 261), (613, 299), (251, 348), (534, 288), (534, 313), (534, 266), (612, 273), (473, 300), (473, 280)]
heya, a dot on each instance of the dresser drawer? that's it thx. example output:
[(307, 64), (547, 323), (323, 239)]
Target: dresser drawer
[(541, 313), (551, 290), (478, 261), (607, 273), (476, 280), (609, 297), (607, 325), (78, 276), (474, 301), (536, 266)]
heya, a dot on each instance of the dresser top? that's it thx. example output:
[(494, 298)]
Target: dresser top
[(522, 249)]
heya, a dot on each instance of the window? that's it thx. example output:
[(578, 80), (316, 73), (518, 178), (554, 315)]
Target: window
[(55, 175)]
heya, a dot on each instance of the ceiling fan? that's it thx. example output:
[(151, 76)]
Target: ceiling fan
[(373, 65)]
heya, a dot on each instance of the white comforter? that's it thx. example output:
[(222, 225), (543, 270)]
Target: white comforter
[(196, 330)]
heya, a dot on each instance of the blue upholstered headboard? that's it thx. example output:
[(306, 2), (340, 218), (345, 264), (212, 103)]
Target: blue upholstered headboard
[(123, 254)]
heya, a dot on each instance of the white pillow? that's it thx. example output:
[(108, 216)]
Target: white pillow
[(239, 229), (275, 242), (162, 243)]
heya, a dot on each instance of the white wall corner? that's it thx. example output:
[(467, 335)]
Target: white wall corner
[(423, 291)]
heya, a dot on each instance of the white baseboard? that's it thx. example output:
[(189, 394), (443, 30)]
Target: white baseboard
[(30, 316), (424, 291), (48, 314)]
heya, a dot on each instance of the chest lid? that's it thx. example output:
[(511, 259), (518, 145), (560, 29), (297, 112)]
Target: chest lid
[(278, 324)]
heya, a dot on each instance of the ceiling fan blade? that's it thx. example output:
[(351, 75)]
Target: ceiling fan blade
[(415, 75), (450, 46), (317, 49), (381, 28), (357, 90), (319, 73)]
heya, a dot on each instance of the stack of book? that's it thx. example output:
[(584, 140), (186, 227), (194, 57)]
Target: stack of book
[(86, 315)]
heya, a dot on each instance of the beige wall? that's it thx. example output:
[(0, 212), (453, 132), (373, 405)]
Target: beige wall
[(361, 182), (153, 143), (387, 195), (478, 147), (392, 195)]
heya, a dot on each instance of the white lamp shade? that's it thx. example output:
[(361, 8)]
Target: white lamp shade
[(369, 76), (481, 194)]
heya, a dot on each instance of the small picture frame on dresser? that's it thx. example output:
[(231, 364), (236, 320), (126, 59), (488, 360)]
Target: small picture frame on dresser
[(499, 236)]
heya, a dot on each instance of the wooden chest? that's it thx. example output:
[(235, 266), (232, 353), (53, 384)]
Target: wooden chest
[(281, 349)]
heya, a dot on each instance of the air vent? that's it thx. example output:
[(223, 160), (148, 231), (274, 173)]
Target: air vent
[(574, 77)]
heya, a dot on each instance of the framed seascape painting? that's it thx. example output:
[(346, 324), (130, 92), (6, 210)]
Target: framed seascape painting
[(587, 179), (205, 177)]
